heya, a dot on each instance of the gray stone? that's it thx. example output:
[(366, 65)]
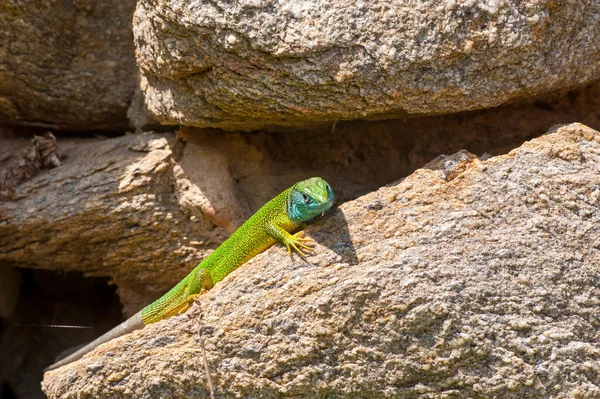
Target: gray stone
[(267, 64), (66, 64)]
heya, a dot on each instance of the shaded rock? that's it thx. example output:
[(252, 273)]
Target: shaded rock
[(472, 279), (269, 64), (65, 64)]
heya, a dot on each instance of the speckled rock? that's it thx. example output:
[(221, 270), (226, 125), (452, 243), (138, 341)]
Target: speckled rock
[(66, 64), (468, 279), (274, 63)]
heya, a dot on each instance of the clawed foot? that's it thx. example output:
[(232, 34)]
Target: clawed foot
[(299, 243)]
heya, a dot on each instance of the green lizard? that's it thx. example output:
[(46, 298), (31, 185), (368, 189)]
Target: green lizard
[(275, 221)]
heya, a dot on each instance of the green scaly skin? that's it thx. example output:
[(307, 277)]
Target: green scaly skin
[(274, 222)]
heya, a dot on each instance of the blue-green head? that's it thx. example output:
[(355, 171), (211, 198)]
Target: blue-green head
[(309, 198)]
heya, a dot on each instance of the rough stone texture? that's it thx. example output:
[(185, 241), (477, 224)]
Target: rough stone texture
[(469, 278), (66, 64), (265, 63)]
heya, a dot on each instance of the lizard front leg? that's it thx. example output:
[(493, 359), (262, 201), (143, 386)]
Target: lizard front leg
[(291, 241)]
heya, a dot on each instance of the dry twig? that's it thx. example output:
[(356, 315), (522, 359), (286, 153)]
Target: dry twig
[(203, 348)]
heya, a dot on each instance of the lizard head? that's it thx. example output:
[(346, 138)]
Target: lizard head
[(309, 198)]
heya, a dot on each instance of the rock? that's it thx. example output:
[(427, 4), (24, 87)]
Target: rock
[(204, 184), (66, 65), (471, 279), (271, 64)]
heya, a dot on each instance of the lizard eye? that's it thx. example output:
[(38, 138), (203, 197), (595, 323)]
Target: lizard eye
[(305, 198)]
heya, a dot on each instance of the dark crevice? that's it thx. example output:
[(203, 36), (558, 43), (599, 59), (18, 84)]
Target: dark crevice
[(30, 338), (6, 392)]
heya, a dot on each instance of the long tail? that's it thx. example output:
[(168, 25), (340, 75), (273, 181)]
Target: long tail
[(133, 323)]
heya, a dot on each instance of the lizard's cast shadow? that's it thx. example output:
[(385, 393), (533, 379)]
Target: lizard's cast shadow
[(332, 232)]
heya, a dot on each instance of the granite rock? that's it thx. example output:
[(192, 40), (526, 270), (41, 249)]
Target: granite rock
[(66, 65)]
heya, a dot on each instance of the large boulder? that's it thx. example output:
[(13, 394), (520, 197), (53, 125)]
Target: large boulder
[(469, 278), (257, 64), (66, 64)]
